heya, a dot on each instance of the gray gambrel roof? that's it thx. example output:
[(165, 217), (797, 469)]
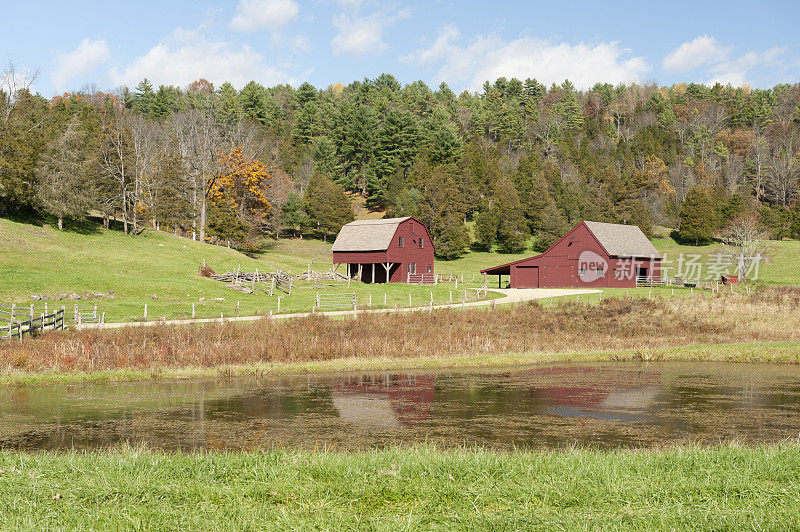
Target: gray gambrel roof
[(623, 240), (367, 235)]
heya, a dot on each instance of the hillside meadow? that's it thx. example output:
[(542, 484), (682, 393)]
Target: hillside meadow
[(161, 271)]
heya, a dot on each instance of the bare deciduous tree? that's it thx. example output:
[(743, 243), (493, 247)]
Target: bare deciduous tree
[(747, 242)]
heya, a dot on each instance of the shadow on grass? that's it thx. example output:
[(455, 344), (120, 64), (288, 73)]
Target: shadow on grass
[(676, 236)]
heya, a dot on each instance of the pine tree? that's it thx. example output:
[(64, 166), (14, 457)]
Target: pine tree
[(173, 207), (512, 232), (63, 189), (486, 224), (143, 98), (327, 206), (697, 216), (451, 237)]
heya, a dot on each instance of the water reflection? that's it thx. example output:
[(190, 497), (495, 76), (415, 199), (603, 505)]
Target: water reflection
[(602, 404)]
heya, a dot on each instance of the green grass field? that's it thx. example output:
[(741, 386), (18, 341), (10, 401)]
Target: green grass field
[(725, 487), (37, 260), (41, 260)]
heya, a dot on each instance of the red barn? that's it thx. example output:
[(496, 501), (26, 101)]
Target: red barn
[(593, 254), (387, 250)]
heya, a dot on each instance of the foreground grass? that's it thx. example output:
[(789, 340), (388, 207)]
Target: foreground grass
[(725, 487)]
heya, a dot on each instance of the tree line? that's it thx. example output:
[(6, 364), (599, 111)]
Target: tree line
[(515, 160)]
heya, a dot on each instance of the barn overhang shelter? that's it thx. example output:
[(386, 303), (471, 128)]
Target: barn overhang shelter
[(592, 254), (386, 250)]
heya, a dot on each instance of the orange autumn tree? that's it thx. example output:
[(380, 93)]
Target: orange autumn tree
[(237, 199)]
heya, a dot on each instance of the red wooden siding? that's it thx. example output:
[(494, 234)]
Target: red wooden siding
[(577, 260), (421, 259)]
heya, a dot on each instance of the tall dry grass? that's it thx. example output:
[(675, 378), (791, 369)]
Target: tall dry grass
[(769, 315)]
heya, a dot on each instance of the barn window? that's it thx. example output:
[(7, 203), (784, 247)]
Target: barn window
[(420, 242), (400, 241), (413, 267), (430, 268)]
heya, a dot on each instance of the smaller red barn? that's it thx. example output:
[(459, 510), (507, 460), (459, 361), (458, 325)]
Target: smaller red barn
[(592, 254), (387, 250)]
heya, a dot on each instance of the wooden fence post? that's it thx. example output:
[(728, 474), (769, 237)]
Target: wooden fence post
[(291, 282), (237, 309), (451, 296), (145, 310), (384, 299), (370, 300), (193, 311), (279, 303), (409, 299)]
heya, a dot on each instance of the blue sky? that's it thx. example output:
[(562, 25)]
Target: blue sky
[(338, 41)]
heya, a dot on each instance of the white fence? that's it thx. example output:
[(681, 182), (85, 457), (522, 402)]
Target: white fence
[(339, 301)]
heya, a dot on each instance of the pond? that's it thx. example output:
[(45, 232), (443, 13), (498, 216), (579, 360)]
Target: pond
[(597, 404)]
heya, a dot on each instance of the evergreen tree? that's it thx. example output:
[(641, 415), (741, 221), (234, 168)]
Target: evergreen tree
[(511, 229), (486, 224), (697, 217), (143, 98), (553, 226), (62, 188), (294, 215), (451, 237), (327, 206), (173, 207)]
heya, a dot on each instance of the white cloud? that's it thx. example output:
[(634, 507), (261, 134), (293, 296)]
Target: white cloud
[(80, 62), (694, 54), (255, 15), (187, 55), (362, 35), (301, 44), (720, 66), (350, 4), (487, 58), (736, 71)]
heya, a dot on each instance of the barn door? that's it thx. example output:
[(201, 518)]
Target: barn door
[(527, 277)]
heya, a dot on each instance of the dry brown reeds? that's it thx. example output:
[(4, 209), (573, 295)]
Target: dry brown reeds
[(615, 324)]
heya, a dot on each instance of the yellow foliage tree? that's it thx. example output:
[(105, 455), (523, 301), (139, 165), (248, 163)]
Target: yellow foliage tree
[(237, 198)]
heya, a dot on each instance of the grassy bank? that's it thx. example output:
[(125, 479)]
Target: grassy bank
[(764, 326), (725, 487), (43, 261)]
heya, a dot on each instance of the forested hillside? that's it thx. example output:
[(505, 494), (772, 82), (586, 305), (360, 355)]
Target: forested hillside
[(517, 159)]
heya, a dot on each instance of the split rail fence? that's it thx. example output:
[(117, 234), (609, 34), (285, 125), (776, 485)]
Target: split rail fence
[(23, 320)]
